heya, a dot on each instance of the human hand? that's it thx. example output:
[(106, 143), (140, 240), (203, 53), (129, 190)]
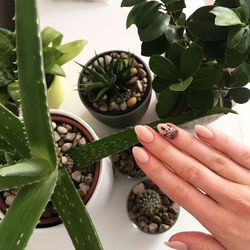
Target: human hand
[(209, 176)]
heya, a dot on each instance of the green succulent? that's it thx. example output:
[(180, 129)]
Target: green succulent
[(206, 61), (55, 55), (108, 78), (149, 202)]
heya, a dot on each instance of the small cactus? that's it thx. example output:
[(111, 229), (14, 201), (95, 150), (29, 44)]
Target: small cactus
[(150, 202)]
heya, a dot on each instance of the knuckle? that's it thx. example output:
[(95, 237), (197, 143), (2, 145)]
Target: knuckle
[(218, 163), (179, 192), (191, 173), (242, 205), (245, 156)]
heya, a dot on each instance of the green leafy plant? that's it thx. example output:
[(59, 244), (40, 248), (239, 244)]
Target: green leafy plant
[(206, 57), (55, 55), (28, 159), (107, 77)]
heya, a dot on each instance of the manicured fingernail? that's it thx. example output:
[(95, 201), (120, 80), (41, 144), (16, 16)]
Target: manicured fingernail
[(140, 155), (178, 245), (167, 131), (204, 132), (144, 134)]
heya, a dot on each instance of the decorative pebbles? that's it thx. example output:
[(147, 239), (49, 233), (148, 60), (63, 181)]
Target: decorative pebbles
[(151, 210)]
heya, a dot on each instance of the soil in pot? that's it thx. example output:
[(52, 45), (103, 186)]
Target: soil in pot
[(151, 210), (129, 89), (125, 163), (68, 134)]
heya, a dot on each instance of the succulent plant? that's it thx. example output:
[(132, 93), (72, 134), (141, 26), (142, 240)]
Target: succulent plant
[(149, 202), (105, 77), (206, 61), (55, 55)]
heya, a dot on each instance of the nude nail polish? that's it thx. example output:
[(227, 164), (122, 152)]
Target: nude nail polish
[(140, 155), (144, 134), (167, 131), (204, 132), (178, 245)]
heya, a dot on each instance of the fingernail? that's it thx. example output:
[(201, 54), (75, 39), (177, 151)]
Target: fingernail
[(178, 245), (144, 134), (140, 155), (167, 131), (204, 132)]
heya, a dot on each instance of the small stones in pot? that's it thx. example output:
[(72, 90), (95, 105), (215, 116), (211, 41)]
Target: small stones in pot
[(125, 163), (66, 137), (151, 210), (130, 91)]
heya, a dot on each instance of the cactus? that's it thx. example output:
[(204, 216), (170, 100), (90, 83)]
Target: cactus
[(149, 202), (107, 77)]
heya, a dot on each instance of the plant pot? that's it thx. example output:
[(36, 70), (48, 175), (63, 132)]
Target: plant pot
[(97, 193), (151, 210), (55, 92), (125, 164), (119, 118)]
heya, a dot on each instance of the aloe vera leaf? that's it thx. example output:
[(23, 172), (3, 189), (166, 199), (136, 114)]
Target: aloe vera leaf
[(74, 214), (23, 215), (5, 146), (12, 131), (32, 82), (70, 50), (87, 154), (23, 173)]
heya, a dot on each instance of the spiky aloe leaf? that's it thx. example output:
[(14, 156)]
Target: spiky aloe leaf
[(85, 155), (18, 224), (74, 214), (32, 82), (5, 146), (23, 173), (12, 131)]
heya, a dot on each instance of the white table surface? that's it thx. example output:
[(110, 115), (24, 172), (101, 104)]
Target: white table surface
[(103, 25)]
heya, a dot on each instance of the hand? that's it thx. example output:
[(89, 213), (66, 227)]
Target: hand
[(209, 176)]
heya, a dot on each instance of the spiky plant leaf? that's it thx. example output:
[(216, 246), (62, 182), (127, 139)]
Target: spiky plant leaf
[(23, 173), (5, 146), (32, 82), (18, 224), (74, 214), (88, 154), (12, 131)]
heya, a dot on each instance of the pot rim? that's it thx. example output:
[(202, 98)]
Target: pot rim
[(129, 110)]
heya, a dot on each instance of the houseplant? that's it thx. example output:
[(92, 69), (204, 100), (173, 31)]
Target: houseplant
[(115, 86), (93, 183), (28, 140), (206, 57), (55, 55)]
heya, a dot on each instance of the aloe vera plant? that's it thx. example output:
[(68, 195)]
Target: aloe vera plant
[(28, 158)]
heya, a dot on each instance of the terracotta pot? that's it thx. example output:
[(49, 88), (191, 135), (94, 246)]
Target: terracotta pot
[(103, 177)]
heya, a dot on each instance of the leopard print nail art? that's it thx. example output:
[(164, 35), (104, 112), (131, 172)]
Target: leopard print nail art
[(167, 131)]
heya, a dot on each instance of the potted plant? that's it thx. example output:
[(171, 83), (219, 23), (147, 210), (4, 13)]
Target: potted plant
[(55, 55), (28, 153), (206, 57), (70, 132), (115, 86)]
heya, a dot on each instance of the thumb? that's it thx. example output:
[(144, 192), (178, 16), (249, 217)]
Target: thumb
[(194, 241)]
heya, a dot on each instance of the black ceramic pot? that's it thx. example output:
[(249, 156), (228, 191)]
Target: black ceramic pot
[(125, 118)]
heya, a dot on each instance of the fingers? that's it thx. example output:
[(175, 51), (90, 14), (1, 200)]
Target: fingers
[(210, 157), (194, 201), (194, 241), (235, 150), (182, 164)]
